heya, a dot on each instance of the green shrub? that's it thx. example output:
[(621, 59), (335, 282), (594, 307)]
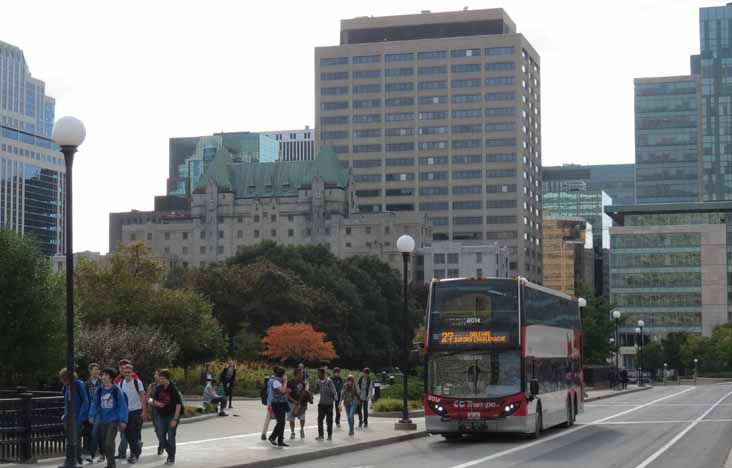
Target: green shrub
[(388, 405), (415, 389)]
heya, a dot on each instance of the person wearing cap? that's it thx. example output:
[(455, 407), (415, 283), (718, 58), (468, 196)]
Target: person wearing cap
[(338, 382), (210, 397), (365, 388)]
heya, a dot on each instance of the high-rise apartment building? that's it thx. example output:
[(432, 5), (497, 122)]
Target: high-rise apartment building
[(294, 145), (440, 113), (31, 169), (667, 144)]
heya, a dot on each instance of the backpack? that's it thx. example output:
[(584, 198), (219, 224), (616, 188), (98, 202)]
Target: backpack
[(264, 393)]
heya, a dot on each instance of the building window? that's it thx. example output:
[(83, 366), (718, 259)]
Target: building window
[(438, 259), (203, 234), (308, 232), (452, 258), (220, 219), (479, 272), (273, 219), (439, 274), (202, 250), (167, 250), (290, 218), (239, 219), (479, 258), (239, 234), (327, 231), (185, 250), (290, 233), (368, 229), (453, 273), (220, 249), (273, 233), (149, 236), (348, 231), (185, 235), (256, 218), (221, 234), (348, 244), (387, 229), (166, 236), (256, 234), (133, 236)]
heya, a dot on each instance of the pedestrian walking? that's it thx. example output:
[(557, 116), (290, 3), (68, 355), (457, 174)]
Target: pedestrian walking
[(338, 382), (624, 378), (365, 390), (210, 397), (134, 392), (304, 371), (349, 397), (168, 401), (91, 442), (298, 397), (612, 378), (228, 379), (108, 413), (325, 387), (266, 396), (80, 408), (278, 407), (153, 410), (122, 448)]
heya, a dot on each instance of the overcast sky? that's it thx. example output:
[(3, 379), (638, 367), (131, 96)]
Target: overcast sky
[(140, 72)]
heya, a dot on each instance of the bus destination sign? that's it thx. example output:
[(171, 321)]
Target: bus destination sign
[(471, 337)]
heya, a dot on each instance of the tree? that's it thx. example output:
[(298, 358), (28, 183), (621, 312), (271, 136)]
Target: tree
[(672, 344), (597, 327), (297, 342), (31, 312), (247, 346), (146, 346), (652, 358)]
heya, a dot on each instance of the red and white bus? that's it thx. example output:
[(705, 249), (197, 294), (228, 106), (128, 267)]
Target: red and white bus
[(502, 355)]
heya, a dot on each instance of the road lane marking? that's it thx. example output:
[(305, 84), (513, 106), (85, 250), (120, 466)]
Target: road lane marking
[(680, 421), (565, 432), (681, 434)]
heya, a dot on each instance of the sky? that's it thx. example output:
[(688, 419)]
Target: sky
[(140, 72)]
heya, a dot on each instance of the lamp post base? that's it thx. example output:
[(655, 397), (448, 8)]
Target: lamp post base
[(403, 425)]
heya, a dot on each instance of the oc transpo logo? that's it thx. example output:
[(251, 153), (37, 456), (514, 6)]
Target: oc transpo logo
[(474, 404)]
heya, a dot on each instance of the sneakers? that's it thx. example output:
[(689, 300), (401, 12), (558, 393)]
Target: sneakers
[(132, 460), (101, 459), (366, 424), (330, 437), (338, 425), (273, 442), (320, 437), (170, 461), (160, 450), (360, 424), (283, 445), (264, 436), (120, 456), (350, 433), (302, 433), (292, 435)]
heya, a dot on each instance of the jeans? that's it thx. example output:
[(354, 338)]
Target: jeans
[(91, 438), (133, 433), (350, 408), (156, 425), (220, 402), (325, 412), (363, 412), (122, 449), (106, 433), (166, 435), (337, 404), (280, 410)]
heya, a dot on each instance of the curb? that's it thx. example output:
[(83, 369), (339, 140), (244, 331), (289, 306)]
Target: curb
[(329, 452), (611, 395), (397, 414)]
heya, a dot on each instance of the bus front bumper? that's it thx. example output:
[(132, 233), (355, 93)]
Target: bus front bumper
[(440, 425)]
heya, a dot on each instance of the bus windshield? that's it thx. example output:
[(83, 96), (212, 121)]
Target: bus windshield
[(473, 313), (484, 374)]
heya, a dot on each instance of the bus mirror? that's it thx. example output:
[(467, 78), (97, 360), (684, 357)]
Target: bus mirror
[(534, 387)]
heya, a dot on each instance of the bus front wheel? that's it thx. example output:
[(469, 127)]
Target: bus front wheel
[(538, 423), (570, 414), (451, 436)]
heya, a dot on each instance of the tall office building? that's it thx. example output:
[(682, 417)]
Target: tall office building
[(440, 113), (667, 144), (617, 180), (31, 170), (294, 145)]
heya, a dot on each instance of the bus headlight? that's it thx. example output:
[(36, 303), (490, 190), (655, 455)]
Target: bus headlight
[(510, 408), (438, 408)]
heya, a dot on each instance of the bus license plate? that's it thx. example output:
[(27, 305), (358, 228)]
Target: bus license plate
[(474, 415)]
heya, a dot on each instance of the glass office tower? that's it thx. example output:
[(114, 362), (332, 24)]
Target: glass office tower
[(31, 169)]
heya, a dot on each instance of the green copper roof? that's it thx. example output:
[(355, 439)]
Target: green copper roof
[(273, 179)]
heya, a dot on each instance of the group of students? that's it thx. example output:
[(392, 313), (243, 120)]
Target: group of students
[(118, 402), (289, 400)]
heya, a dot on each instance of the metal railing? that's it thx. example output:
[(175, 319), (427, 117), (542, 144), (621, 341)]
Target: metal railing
[(30, 425)]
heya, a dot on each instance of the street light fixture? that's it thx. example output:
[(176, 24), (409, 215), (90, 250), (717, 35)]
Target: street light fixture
[(616, 317), (696, 362), (69, 134), (665, 369), (641, 324), (405, 244)]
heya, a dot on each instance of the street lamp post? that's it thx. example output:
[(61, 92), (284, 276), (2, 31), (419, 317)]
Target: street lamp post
[(405, 244), (69, 133), (616, 318), (641, 324), (665, 367), (696, 362)]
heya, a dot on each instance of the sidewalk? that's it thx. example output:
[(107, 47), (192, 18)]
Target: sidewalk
[(601, 394), (234, 441)]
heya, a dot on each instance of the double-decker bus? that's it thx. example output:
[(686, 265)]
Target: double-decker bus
[(502, 355)]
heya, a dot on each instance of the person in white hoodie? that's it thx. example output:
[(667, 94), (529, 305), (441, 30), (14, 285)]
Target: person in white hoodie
[(210, 397)]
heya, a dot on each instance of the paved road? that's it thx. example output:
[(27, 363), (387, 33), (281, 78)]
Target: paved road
[(669, 427)]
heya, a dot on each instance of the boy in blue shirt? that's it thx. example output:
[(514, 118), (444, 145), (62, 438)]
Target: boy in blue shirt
[(109, 412)]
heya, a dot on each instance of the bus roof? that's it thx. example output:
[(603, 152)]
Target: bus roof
[(517, 278)]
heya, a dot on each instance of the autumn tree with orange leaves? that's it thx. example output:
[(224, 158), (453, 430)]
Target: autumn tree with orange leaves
[(297, 342)]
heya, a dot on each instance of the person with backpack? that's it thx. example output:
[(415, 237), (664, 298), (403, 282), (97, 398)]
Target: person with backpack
[(325, 386), (338, 382), (266, 396), (122, 449), (298, 397), (134, 392), (91, 444), (80, 407), (167, 399), (278, 407), (365, 390), (153, 410), (108, 413)]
